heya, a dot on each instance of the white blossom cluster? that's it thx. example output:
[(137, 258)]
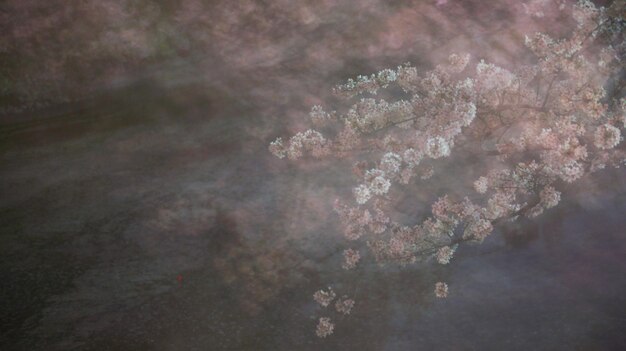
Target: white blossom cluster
[(376, 183), (370, 115), (481, 185), (490, 77), (549, 197), (607, 137), (324, 298), (444, 254), (357, 221), (325, 327), (535, 7), (437, 147), (362, 194), (351, 258), (344, 305), (441, 290), (478, 230), (319, 116), (412, 157), (309, 141), (535, 127), (390, 163)]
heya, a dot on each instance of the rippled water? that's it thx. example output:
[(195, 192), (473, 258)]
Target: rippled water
[(150, 216)]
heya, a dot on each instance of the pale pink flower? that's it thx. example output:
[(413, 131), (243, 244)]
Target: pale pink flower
[(407, 77), (533, 126), (318, 115), (354, 220), (548, 139), (481, 185), (396, 246), (362, 194), (386, 76), (571, 171), (390, 163), (441, 206), (351, 258), (324, 327), (478, 229), (549, 197), (607, 137), (277, 148), (437, 147), (412, 157), (492, 77), (501, 204), (444, 254), (380, 186), (466, 113), (535, 211), (344, 305), (324, 298), (348, 138), (441, 290)]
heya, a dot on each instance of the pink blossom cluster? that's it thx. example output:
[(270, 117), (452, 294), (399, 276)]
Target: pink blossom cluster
[(344, 305), (324, 327), (444, 254), (358, 221), (539, 126), (351, 258), (309, 141), (441, 290), (324, 298)]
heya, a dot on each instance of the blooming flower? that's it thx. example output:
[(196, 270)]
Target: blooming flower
[(324, 327), (344, 305), (553, 112), (318, 115), (437, 147), (390, 163), (607, 137), (478, 230), (444, 254), (441, 290), (351, 258), (362, 194), (380, 185), (324, 298), (481, 185), (386, 76), (571, 171), (441, 206), (549, 197), (277, 148)]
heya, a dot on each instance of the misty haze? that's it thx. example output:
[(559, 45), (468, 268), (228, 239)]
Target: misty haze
[(312, 175)]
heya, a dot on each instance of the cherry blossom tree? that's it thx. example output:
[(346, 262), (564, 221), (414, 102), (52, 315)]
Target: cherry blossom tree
[(538, 126)]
